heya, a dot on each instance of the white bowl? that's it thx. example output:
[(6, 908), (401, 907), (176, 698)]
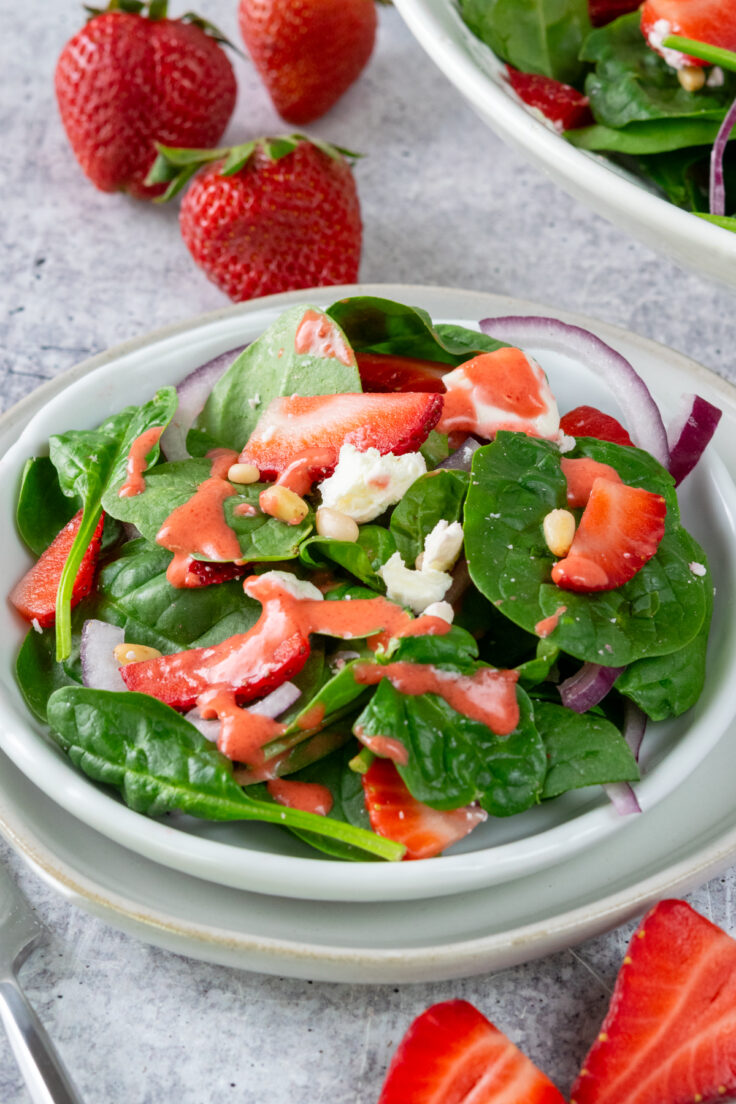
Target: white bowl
[(592, 178), (261, 857)]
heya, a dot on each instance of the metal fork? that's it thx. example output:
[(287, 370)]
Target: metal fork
[(46, 1079)]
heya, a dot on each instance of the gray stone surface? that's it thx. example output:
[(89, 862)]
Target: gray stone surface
[(443, 202)]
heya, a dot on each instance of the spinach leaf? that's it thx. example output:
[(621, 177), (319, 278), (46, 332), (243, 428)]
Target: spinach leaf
[(376, 325), (538, 669), (582, 750), (632, 83), (336, 697), (455, 650), (37, 672), (682, 175), (43, 509), (135, 593), (361, 558), (430, 498), (515, 482), (435, 449), (726, 222), (651, 136), (268, 369), (666, 686), (454, 760), (348, 802), (161, 763), (171, 485), (87, 462), (536, 36)]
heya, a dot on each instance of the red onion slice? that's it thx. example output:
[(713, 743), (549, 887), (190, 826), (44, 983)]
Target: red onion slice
[(588, 686), (462, 458), (689, 434), (644, 420), (622, 794), (100, 668), (193, 392), (273, 705), (717, 197)]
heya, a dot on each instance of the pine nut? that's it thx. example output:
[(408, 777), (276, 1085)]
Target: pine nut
[(335, 524), (243, 473), (559, 530), (134, 653), (691, 77), (283, 504)]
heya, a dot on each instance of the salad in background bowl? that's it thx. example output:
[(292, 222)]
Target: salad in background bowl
[(406, 645), (636, 144)]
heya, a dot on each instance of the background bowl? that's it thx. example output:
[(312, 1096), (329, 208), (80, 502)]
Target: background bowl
[(608, 189)]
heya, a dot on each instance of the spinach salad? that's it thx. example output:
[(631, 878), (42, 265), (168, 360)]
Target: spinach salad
[(375, 592)]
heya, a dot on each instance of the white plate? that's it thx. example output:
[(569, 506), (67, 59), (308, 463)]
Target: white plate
[(613, 193), (261, 857)]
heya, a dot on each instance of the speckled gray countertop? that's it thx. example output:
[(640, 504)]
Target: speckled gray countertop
[(443, 203)]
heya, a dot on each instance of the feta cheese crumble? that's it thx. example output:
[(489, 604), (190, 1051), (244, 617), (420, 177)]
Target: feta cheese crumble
[(364, 484), (697, 569), (297, 588), (440, 609), (442, 546), (414, 589)]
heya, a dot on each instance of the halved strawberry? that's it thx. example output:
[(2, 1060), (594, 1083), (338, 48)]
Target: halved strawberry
[(35, 595), (562, 104), (383, 372), (452, 1054), (291, 427), (605, 11), (587, 421), (251, 664), (395, 814), (581, 474), (670, 1032), (210, 573), (709, 21), (620, 530)]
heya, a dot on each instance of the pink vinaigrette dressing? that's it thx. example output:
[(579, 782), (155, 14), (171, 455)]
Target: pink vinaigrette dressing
[(134, 483), (547, 625), (310, 797), (505, 380), (198, 526), (319, 336)]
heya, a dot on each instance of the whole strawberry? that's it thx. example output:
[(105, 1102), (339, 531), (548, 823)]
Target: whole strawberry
[(308, 52), (130, 79), (271, 215)]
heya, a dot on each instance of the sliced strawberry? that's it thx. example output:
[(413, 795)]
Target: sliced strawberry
[(670, 1033), (209, 573), (382, 372), (581, 474), (395, 814), (562, 104), (251, 664), (605, 11), (587, 421), (291, 427), (452, 1054), (35, 595), (620, 530), (709, 21)]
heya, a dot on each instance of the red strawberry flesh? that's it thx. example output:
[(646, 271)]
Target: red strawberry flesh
[(670, 1032), (562, 104), (581, 474), (291, 427), (620, 530), (452, 1054), (587, 421), (395, 814), (709, 21), (381, 372), (34, 596)]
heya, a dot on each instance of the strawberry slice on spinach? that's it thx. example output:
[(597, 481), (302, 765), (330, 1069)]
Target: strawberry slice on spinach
[(515, 482), (87, 463)]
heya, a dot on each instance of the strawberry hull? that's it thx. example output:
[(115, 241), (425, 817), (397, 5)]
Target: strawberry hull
[(291, 427)]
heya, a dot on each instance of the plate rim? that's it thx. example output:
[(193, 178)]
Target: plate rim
[(28, 406)]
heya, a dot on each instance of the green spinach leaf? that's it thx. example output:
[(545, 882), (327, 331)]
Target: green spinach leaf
[(651, 136), (536, 36), (87, 462), (515, 482), (43, 509), (433, 497), (169, 486), (582, 750), (161, 763), (268, 369), (361, 558)]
